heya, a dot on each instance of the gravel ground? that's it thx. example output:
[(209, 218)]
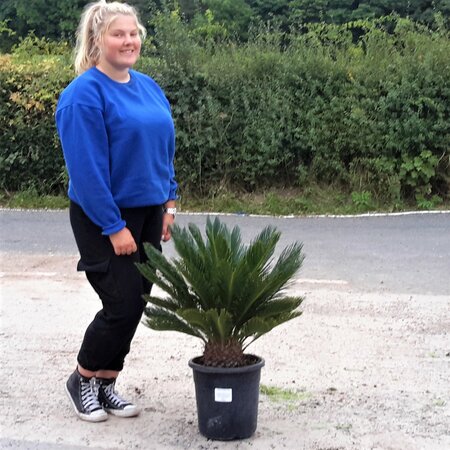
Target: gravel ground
[(361, 370)]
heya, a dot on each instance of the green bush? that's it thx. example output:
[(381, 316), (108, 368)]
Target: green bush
[(281, 110), (30, 155)]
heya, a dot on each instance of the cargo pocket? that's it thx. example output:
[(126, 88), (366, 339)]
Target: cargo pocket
[(101, 278)]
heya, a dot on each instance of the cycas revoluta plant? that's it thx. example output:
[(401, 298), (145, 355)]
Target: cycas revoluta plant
[(221, 291)]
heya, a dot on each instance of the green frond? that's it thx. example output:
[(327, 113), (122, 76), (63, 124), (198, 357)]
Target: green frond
[(257, 326), (166, 303), (197, 236), (199, 278), (184, 243), (204, 266), (223, 244), (221, 324), (217, 325), (159, 263), (276, 307), (261, 249), (148, 272), (163, 320), (159, 271), (151, 275), (193, 264), (220, 290), (195, 318), (235, 244), (265, 288), (290, 260)]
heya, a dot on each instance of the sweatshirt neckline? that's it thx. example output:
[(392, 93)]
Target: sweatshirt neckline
[(116, 83)]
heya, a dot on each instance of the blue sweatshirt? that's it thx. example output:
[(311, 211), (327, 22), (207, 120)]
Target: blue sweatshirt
[(118, 141)]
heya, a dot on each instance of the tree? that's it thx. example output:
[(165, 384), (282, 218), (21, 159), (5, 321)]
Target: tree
[(235, 15), (268, 9), (56, 19), (308, 11), (53, 19), (6, 35), (189, 8)]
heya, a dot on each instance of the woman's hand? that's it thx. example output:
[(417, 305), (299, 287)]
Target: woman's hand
[(123, 242), (168, 220)]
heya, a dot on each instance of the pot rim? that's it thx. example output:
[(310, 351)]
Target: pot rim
[(243, 369)]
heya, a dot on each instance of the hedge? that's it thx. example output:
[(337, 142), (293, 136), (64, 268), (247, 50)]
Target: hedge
[(281, 110)]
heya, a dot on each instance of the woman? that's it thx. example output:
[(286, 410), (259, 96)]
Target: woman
[(118, 140)]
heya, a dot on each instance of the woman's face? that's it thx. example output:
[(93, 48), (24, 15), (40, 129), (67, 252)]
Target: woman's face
[(120, 45)]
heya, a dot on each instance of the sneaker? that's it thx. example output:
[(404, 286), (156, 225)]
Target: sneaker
[(83, 395), (112, 402)]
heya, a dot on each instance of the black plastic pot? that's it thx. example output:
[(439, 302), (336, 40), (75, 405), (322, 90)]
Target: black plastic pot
[(227, 399)]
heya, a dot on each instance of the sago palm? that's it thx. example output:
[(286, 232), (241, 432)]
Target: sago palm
[(221, 291)]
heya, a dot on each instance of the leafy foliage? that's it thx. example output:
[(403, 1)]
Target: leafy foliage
[(53, 19), (418, 172), (57, 19), (322, 108), (220, 291), (30, 155), (283, 110)]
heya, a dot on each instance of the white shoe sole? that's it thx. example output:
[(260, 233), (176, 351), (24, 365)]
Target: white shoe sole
[(97, 416), (132, 411)]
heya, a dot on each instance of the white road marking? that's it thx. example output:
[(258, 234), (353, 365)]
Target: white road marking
[(29, 274), (320, 281), (291, 216), (33, 274)]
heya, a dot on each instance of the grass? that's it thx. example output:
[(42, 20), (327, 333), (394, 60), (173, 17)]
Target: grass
[(277, 394), (312, 200), (31, 200), (439, 402)]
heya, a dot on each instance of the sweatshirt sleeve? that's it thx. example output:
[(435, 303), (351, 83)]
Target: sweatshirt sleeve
[(86, 152), (171, 152), (173, 183)]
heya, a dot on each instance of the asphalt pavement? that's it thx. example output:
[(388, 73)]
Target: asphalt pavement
[(401, 253)]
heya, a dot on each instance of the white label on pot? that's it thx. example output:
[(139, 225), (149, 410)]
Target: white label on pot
[(223, 395)]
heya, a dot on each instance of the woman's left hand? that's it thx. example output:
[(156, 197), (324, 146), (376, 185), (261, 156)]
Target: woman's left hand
[(168, 221)]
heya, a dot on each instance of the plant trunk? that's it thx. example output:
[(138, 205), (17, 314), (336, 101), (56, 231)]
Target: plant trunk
[(229, 354)]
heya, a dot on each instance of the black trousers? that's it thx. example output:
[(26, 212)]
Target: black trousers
[(117, 281)]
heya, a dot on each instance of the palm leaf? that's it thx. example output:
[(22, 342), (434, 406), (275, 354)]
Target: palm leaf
[(218, 289), (272, 282), (261, 249), (276, 307), (221, 325), (197, 237), (222, 244), (196, 318), (158, 270), (151, 275), (163, 320), (166, 303), (257, 326), (194, 265)]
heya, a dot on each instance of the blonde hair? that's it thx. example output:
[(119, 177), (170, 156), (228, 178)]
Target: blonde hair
[(95, 21)]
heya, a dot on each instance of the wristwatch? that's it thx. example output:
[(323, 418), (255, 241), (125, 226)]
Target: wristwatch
[(172, 211)]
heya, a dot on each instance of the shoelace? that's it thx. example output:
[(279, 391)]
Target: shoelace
[(113, 397), (89, 395)]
